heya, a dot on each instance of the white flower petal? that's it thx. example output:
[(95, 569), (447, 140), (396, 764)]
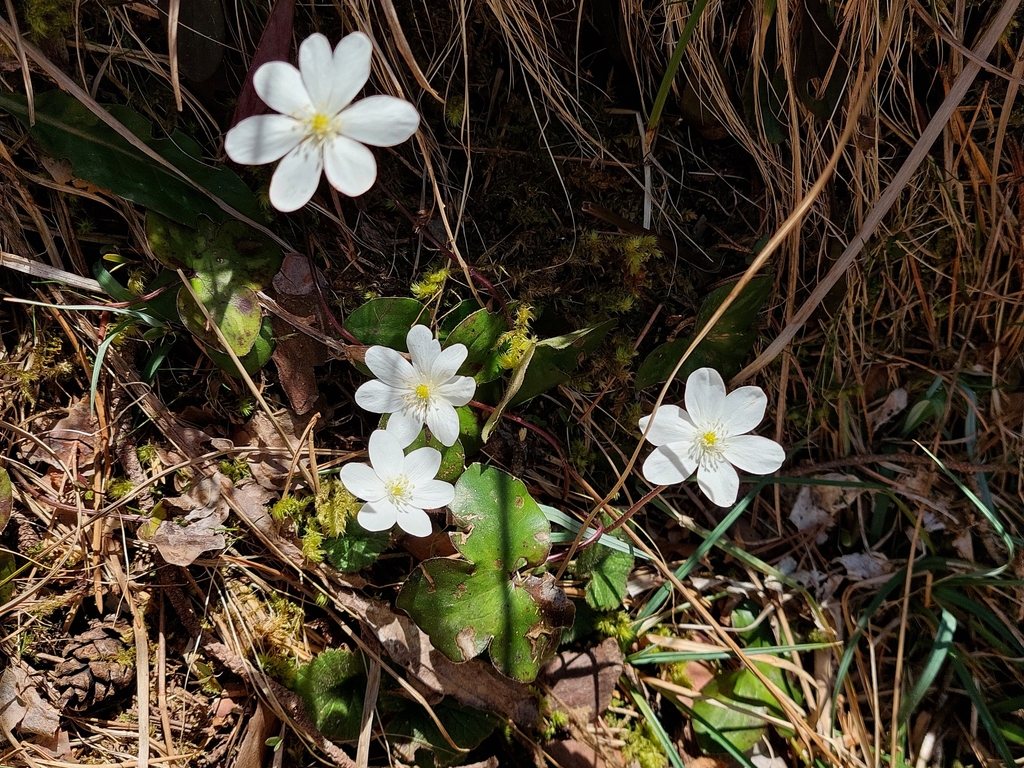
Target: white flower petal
[(744, 409), (389, 366), (423, 348), (421, 466), (380, 121), (280, 86), (263, 139), (378, 515), (316, 60), (414, 521), (705, 397), (350, 70), (443, 422), (458, 391), (668, 465), (671, 425), (434, 494), (296, 178), (362, 482), (351, 167), (386, 454), (404, 426), (754, 454), (448, 361), (377, 397), (719, 482)]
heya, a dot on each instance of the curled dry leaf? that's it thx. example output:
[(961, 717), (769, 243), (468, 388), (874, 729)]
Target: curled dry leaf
[(74, 435), (21, 707), (184, 527)]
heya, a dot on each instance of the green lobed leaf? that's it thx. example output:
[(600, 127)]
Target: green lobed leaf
[(332, 687), (260, 354), (234, 308), (467, 605), (66, 128), (607, 586), (502, 526), (385, 322), (724, 348)]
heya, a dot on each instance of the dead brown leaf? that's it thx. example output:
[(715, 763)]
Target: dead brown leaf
[(21, 706), (296, 354), (191, 522), (584, 681)]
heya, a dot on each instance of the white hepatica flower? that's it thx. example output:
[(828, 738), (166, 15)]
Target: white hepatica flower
[(425, 391), (710, 437), (397, 488), (319, 128)]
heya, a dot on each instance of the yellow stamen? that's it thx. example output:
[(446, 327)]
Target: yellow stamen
[(423, 392), (319, 125), (709, 438)]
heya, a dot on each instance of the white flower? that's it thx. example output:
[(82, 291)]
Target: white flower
[(426, 391), (319, 127), (397, 488), (710, 437)]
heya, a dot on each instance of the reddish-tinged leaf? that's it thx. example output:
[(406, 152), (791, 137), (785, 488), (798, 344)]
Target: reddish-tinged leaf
[(275, 45)]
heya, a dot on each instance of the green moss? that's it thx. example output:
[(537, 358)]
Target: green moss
[(47, 19), (119, 487), (642, 746)]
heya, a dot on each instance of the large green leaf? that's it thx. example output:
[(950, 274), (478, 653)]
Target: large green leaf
[(467, 605), (66, 128), (385, 322), (357, 549), (258, 356), (724, 348)]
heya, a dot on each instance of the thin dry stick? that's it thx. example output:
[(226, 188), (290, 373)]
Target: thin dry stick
[(889, 196), (894, 733), (369, 704)]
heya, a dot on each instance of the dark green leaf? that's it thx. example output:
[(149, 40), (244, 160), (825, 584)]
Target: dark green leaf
[(6, 499), (8, 567), (260, 354), (413, 729), (65, 128), (555, 360), (479, 333), (724, 348), (357, 549), (332, 687), (607, 586), (385, 322), (467, 606)]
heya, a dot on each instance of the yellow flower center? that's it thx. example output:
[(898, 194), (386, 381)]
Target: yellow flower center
[(320, 125), (708, 445), (423, 392), (399, 489), (709, 439)]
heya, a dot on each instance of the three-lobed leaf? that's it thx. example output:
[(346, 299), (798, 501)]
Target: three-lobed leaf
[(466, 606)]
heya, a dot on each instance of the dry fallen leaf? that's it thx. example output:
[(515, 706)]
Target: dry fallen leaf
[(21, 706), (191, 523), (584, 681), (72, 437), (816, 505)]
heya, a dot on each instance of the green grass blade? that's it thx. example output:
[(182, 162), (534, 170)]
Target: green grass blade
[(558, 517), (984, 713), (658, 599), (673, 65), (937, 657), (659, 730)]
